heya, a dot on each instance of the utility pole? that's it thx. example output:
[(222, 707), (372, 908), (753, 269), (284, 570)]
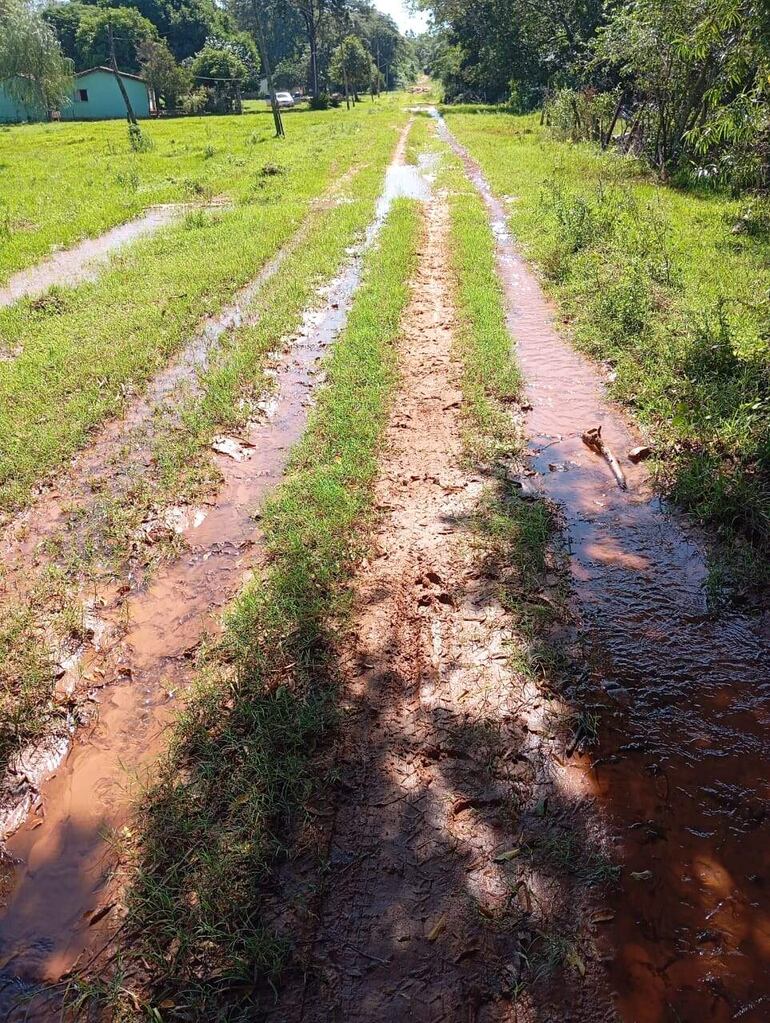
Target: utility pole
[(114, 64), (280, 133)]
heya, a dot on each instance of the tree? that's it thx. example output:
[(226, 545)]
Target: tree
[(168, 80), (535, 45), (222, 73), (352, 66), (242, 47), (32, 67), (696, 77), (130, 31), (183, 24), (313, 13)]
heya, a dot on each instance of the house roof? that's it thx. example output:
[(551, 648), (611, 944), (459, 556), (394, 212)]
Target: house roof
[(123, 74)]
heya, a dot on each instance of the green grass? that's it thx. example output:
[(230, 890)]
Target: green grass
[(492, 380), (241, 769), (97, 539), (62, 182), (81, 350), (655, 282)]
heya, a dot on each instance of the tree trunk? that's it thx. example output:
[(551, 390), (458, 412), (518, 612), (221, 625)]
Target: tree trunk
[(313, 41), (608, 137), (265, 58), (114, 64)]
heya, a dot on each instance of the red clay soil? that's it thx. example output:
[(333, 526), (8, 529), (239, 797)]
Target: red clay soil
[(427, 912)]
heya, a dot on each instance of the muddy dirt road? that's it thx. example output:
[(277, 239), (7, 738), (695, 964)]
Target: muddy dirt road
[(427, 914), (426, 918), (471, 851), (57, 869), (682, 690)]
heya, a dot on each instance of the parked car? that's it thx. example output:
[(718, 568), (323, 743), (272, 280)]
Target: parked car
[(284, 99)]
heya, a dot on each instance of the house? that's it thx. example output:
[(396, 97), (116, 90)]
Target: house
[(96, 96), (15, 111)]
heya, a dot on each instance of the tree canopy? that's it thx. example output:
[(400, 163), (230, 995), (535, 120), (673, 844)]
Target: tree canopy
[(32, 67), (352, 66), (687, 80)]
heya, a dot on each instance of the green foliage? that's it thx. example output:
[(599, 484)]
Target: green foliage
[(684, 83), (32, 67), (483, 47), (130, 32), (351, 65), (219, 72), (168, 79)]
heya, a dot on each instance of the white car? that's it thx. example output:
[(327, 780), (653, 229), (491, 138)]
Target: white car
[(284, 99)]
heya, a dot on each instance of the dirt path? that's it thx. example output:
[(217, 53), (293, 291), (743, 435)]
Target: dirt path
[(421, 915), (57, 894), (679, 690), (466, 833)]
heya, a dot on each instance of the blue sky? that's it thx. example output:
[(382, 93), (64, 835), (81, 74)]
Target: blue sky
[(397, 9)]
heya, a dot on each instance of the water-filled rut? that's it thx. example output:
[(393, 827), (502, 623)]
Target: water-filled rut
[(83, 261), (58, 901), (683, 693)]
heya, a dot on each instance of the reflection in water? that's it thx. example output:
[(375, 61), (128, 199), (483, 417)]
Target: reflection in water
[(62, 862), (683, 766)]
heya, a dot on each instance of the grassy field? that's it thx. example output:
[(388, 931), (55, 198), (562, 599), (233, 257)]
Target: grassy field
[(240, 768), (102, 536), (669, 288), (63, 182), (76, 354)]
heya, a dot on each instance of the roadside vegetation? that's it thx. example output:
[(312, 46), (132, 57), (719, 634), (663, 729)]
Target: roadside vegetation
[(668, 288), (239, 777)]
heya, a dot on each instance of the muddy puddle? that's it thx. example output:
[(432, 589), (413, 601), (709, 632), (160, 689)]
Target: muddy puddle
[(682, 693), (58, 901), (85, 261)]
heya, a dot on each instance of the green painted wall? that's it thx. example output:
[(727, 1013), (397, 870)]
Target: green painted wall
[(13, 112), (104, 100)]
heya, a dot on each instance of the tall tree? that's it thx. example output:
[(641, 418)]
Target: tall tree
[(184, 24), (32, 67), (352, 66), (129, 31), (312, 13), (168, 80)]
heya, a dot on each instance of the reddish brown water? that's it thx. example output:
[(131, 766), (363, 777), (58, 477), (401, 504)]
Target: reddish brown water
[(59, 880), (683, 769)]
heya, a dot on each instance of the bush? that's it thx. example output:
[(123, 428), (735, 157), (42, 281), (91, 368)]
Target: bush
[(581, 116), (320, 102), (195, 102)]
